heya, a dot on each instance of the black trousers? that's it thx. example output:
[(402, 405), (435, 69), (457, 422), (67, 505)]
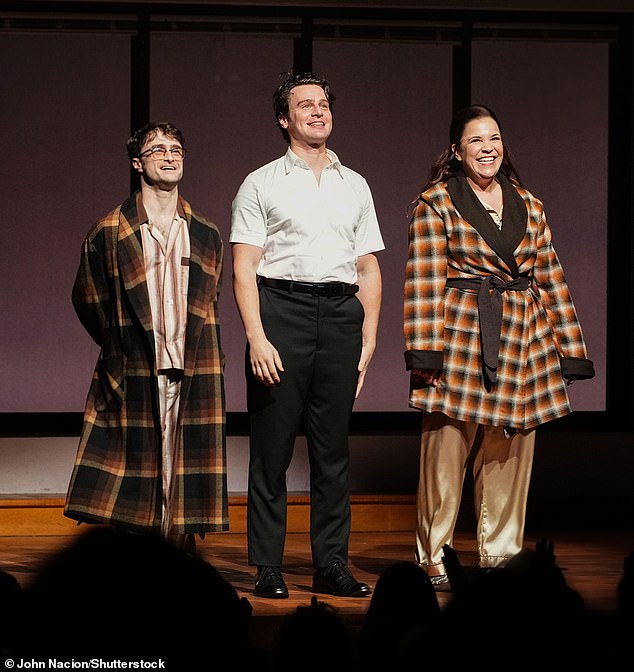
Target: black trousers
[(319, 340)]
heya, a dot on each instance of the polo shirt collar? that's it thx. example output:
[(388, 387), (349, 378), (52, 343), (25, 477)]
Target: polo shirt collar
[(291, 160)]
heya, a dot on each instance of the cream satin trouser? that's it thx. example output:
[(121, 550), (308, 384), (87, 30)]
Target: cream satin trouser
[(501, 471), (169, 398)]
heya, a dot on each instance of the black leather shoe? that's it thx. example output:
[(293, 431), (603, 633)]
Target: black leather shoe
[(184, 542), (269, 582), (336, 579)]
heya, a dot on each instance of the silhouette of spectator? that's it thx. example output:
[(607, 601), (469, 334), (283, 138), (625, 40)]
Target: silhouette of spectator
[(116, 594), (403, 605), (616, 629), (457, 576), (9, 585), (312, 638), (9, 591), (625, 590), (526, 605)]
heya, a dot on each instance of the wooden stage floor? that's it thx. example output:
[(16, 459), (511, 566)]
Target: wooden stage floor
[(592, 563)]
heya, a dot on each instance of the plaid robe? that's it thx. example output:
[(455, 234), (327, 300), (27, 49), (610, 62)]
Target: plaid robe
[(117, 474), (541, 344)]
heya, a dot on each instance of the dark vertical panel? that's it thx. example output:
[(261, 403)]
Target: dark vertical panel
[(303, 48), (621, 239), (461, 73), (140, 73), (139, 81)]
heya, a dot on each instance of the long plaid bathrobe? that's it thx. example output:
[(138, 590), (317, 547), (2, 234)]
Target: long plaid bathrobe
[(117, 474), (541, 345)]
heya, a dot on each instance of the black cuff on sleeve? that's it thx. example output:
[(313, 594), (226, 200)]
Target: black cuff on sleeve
[(576, 368), (423, 359)]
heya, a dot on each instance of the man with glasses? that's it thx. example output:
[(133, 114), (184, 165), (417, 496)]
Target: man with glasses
[(152, 455)]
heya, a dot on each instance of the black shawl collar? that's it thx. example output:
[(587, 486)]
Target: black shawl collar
[(514, 216)]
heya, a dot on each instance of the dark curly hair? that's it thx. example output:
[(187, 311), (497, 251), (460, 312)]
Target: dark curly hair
[(283, 91), (149, 131)]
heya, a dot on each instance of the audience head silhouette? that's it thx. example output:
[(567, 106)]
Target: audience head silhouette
[(403, 605), (115, 594), (312, 638)]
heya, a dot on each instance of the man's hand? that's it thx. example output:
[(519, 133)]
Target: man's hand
[(364, 362), (266, 362)]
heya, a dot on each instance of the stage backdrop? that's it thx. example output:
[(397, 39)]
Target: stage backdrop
[(66, 112)]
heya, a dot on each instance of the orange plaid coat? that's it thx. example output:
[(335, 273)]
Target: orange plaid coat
[(117, 474), (541, 344)]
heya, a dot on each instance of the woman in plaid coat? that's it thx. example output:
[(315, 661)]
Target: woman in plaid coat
[(152, 454), (492, 338)]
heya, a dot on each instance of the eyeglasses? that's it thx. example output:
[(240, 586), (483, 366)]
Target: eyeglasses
[(158, 153)]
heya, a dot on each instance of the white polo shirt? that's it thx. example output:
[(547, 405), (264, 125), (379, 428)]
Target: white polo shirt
[(310, 231)]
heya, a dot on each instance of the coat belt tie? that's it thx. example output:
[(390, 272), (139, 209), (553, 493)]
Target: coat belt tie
[(490, 289)]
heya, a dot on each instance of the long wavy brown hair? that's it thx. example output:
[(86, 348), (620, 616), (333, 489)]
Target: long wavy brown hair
[(447, 165)]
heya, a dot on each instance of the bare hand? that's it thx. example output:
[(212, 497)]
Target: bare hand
[(266, 363), (364, 363), (360, 381), (430, 376)]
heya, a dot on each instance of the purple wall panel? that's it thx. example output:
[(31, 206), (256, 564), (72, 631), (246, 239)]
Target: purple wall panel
[(219, 92), (552, 100), (66, 110), (393, 103)]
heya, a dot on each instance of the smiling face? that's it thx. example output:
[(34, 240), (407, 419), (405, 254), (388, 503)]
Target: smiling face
[(480, 150), (309, 119), (164, 173)]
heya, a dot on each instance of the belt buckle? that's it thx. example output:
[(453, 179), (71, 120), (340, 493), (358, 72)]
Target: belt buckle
[(332, 290)]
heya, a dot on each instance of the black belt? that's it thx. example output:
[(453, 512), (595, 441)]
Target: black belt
[(313, 288), (490, 313)]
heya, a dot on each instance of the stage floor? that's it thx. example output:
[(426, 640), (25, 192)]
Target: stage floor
[(592, 563)]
